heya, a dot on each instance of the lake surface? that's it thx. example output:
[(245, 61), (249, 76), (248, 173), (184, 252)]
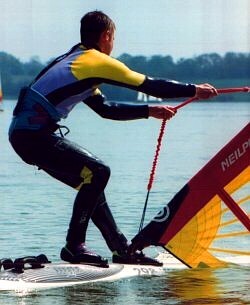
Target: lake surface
[(35, 209)]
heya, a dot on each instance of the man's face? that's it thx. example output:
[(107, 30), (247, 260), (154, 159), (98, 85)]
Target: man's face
[(106, 42)]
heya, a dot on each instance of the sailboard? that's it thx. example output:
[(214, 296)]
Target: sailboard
[(208, 219), (54, 275)]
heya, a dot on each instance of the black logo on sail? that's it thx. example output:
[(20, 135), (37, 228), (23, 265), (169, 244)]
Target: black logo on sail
[(162, 215)]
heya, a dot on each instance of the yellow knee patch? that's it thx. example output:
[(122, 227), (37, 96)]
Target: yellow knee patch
[(87, 176)]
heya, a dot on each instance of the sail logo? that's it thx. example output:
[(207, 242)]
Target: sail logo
[(162, 215), (234, 156)]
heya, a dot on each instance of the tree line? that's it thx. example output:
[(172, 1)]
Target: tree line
[(231, 69)]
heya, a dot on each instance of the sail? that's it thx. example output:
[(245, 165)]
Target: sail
[(1, 92), (143, 97), (208, 219), (1, 95)]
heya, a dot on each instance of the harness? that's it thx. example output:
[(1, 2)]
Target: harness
[(33, 111)]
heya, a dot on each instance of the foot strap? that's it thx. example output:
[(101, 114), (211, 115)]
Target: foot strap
[(22, 263), (6, 263)]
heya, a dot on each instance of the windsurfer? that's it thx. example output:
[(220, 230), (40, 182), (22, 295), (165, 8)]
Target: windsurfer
[(68, 80)]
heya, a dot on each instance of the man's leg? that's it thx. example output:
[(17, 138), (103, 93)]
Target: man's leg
[(116, 241), (84, 205), (76, 167), (104, 220), (90, 176)]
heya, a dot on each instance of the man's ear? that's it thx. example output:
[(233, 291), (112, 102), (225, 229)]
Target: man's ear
[(105, 36)]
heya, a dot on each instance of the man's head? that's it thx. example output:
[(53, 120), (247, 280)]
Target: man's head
[(97, 31)]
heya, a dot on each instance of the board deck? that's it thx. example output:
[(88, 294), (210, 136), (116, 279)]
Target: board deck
[(55, 275)]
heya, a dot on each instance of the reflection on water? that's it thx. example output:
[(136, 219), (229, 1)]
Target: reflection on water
[(208, 286), (191, 284)]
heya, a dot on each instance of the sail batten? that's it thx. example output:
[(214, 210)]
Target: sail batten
[(239, 202), (229, 222), (232, 234), (231, 251)]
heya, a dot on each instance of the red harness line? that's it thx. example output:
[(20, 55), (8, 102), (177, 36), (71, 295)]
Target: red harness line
[(160, 137)]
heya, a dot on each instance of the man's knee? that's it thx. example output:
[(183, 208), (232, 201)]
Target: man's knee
[(99, 175), (103, 174)]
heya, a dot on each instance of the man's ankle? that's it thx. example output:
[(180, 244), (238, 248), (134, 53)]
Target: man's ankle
[(75, 246)]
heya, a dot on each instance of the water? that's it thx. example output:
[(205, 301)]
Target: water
[(35, 209)]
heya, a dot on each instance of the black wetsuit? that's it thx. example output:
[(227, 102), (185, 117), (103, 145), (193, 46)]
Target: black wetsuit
[(72, 78)]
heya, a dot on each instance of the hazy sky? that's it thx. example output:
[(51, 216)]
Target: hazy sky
[(180, 28)]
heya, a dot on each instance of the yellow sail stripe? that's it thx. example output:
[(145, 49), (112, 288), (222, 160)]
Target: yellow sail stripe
[(239, 202), (230, 251), (239, 181), (240, 233), (243, 200), (226, 223)]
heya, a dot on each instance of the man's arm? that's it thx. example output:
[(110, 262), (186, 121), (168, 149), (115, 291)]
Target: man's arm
[(114, 72), (116, 111), (165, 88)]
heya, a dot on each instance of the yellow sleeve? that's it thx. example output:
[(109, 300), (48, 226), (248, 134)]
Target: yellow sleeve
[(94, 64)]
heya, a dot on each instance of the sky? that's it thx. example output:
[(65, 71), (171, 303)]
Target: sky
[(179, 28)]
